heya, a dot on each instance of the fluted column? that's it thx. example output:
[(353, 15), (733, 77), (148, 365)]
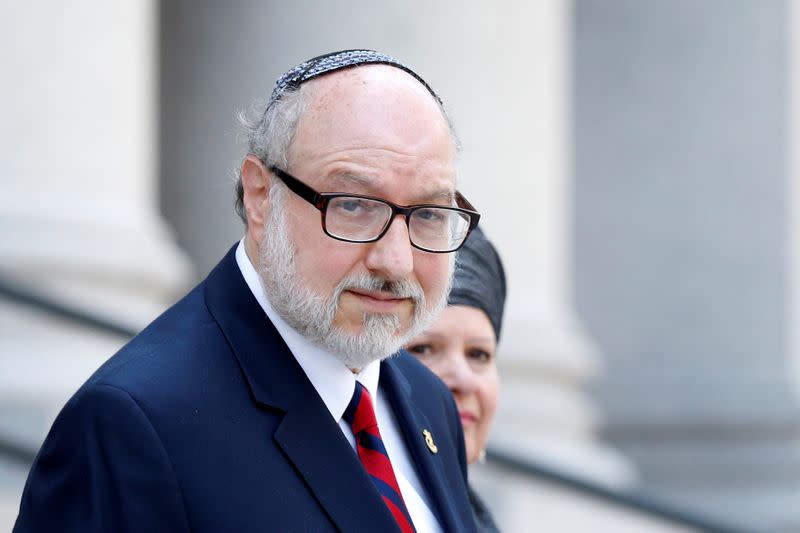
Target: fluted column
[(79, 219), (683, 209), (511, 100)]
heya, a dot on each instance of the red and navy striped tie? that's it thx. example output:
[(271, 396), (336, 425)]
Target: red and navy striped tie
[(361, 417)]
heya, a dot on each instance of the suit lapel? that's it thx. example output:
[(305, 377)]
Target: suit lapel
[(429, 465), (270, 370), (333, 471), (311, 440)]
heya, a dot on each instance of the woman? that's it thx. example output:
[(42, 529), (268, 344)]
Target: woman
[(460, 347)]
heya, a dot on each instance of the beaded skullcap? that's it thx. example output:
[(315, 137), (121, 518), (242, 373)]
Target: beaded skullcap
[(333, 61)]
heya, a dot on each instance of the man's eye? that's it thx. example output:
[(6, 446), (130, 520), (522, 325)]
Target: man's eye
[(357, 206), (431, 215), (351, 206)]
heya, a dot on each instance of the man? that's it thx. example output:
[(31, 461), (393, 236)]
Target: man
[(265, 400)]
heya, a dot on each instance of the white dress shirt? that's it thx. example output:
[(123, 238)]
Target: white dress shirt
[(335, 384)]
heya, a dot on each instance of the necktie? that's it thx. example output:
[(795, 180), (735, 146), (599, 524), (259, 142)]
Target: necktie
[(361, 417)]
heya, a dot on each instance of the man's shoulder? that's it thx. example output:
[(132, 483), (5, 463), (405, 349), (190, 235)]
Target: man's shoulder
[(182, 338), (171, 337), (168, 361)]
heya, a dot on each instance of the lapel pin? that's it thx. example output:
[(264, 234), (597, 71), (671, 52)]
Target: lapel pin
[(429, 441)]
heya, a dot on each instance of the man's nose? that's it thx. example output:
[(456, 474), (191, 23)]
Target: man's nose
[(392, 255)]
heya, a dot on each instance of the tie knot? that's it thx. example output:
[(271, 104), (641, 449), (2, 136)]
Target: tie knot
[(360, 413)]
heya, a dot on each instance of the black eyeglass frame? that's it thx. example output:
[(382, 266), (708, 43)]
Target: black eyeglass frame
[(320, 200)]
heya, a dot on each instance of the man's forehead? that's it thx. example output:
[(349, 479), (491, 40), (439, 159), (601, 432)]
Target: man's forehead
[(435, 190)]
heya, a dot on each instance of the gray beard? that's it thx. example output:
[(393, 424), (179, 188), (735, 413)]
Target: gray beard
[(312, 314)]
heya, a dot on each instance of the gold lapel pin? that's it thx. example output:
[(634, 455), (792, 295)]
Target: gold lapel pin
[(429, 441)]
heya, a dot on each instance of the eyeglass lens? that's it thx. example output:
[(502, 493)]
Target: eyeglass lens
[(362, 219)]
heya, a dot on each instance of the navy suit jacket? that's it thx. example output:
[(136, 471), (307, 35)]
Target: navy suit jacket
[(205, 422)]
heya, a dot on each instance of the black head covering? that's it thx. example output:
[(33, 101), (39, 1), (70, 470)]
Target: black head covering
[(479, 280), (332, 61)]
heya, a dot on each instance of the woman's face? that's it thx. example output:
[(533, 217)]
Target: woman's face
[(460, 348)]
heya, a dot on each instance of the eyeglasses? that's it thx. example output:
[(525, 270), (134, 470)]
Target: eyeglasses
[(362, 219)]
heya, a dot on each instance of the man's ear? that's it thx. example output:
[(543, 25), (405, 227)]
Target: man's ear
[(256, 181)]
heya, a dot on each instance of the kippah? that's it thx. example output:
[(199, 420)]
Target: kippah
[(479, 280), (330, 62)]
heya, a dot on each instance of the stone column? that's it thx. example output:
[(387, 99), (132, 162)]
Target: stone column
[(682, 203), (510, 97), (79, 219), (794, 191)]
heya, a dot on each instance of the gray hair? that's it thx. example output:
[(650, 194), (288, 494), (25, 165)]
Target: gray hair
[(269, 133), (269, 129)]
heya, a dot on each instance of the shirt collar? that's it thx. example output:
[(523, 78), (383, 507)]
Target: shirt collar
[(333, 381)]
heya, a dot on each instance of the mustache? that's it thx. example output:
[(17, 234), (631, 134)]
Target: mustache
[(366, 282)]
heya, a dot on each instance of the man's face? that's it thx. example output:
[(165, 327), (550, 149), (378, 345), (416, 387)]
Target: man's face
[(376, 131)]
